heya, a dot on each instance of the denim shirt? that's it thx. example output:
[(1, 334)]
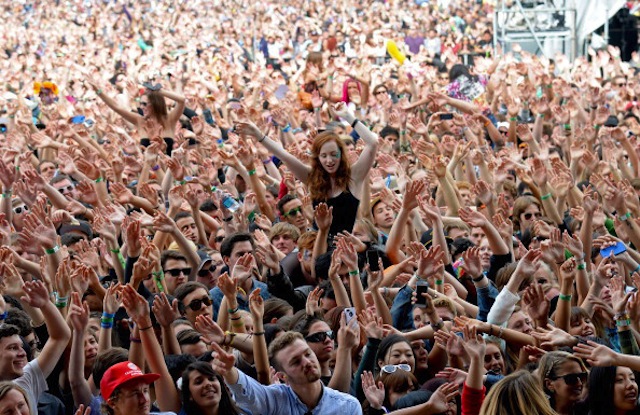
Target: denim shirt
[(258, 399), (486, 297), (401, 310), (243, 303)]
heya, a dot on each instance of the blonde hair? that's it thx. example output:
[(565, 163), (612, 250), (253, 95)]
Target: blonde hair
[(517, 394), (550, 364)]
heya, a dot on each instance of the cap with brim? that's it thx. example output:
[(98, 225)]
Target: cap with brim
[(204, 258), (121, 373), (79, 226)]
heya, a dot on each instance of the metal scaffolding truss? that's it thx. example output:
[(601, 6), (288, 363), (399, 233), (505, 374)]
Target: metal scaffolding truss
[(539, 26)]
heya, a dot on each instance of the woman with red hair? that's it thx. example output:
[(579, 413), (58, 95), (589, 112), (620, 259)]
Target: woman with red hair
[(331, 178)]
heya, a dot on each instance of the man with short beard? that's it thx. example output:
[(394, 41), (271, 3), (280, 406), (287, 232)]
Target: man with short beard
[(303, 392)]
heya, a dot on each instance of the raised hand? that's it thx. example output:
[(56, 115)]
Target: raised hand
[(473, 344), (596, 354), (78, 316), (313, 301), (472, 264), (35, 294), (371, 324), (256, 305), (323, 216), (209, 329), (374, 393), (165, 312), (472, 218), (136, 305)]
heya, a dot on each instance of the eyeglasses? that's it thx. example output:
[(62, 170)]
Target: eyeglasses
[(622, 84), (319, 337), (392, 368), (66, 189), (529, 215), (176, 272), (571, 379), (18, 210), (204, 271), (196, 304), (293, 212)]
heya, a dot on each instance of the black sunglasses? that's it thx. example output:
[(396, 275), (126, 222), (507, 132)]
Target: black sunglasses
[(18, 210), (196, 304), (204, 271), (529, 215), (219, 239), (571, 379), (176, 272), (293, 212), (319, 337)]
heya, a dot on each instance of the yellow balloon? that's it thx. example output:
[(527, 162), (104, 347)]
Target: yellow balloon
[(393, 50)]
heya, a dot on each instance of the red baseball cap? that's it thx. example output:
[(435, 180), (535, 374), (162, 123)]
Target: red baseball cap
[(121, 373)]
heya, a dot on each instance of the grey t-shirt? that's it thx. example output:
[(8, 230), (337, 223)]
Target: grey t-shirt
[(34, 383)]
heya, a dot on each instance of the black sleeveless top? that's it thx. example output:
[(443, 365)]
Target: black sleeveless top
[(345, 211)]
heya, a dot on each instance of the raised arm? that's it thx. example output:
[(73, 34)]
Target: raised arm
[(37, 296), (298, 168), (138, 309)]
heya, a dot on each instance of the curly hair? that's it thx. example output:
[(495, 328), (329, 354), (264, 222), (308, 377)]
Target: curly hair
[(319, 180)]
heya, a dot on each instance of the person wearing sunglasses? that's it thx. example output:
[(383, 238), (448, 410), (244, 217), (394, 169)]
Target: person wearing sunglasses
[(193, 300), (210, 269), (564, 380), (526, 210), (290, 208), (320, 339), (176, 270)]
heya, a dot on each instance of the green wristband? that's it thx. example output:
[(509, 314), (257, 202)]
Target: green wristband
[(439, 282), (545, 197), (251, 172), (581, 266), (51, 251), (354, 272), (564, 297), (513, 119), (99, 179)]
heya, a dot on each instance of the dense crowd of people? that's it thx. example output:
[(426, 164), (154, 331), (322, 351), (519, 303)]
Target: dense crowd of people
[(295, 207)]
